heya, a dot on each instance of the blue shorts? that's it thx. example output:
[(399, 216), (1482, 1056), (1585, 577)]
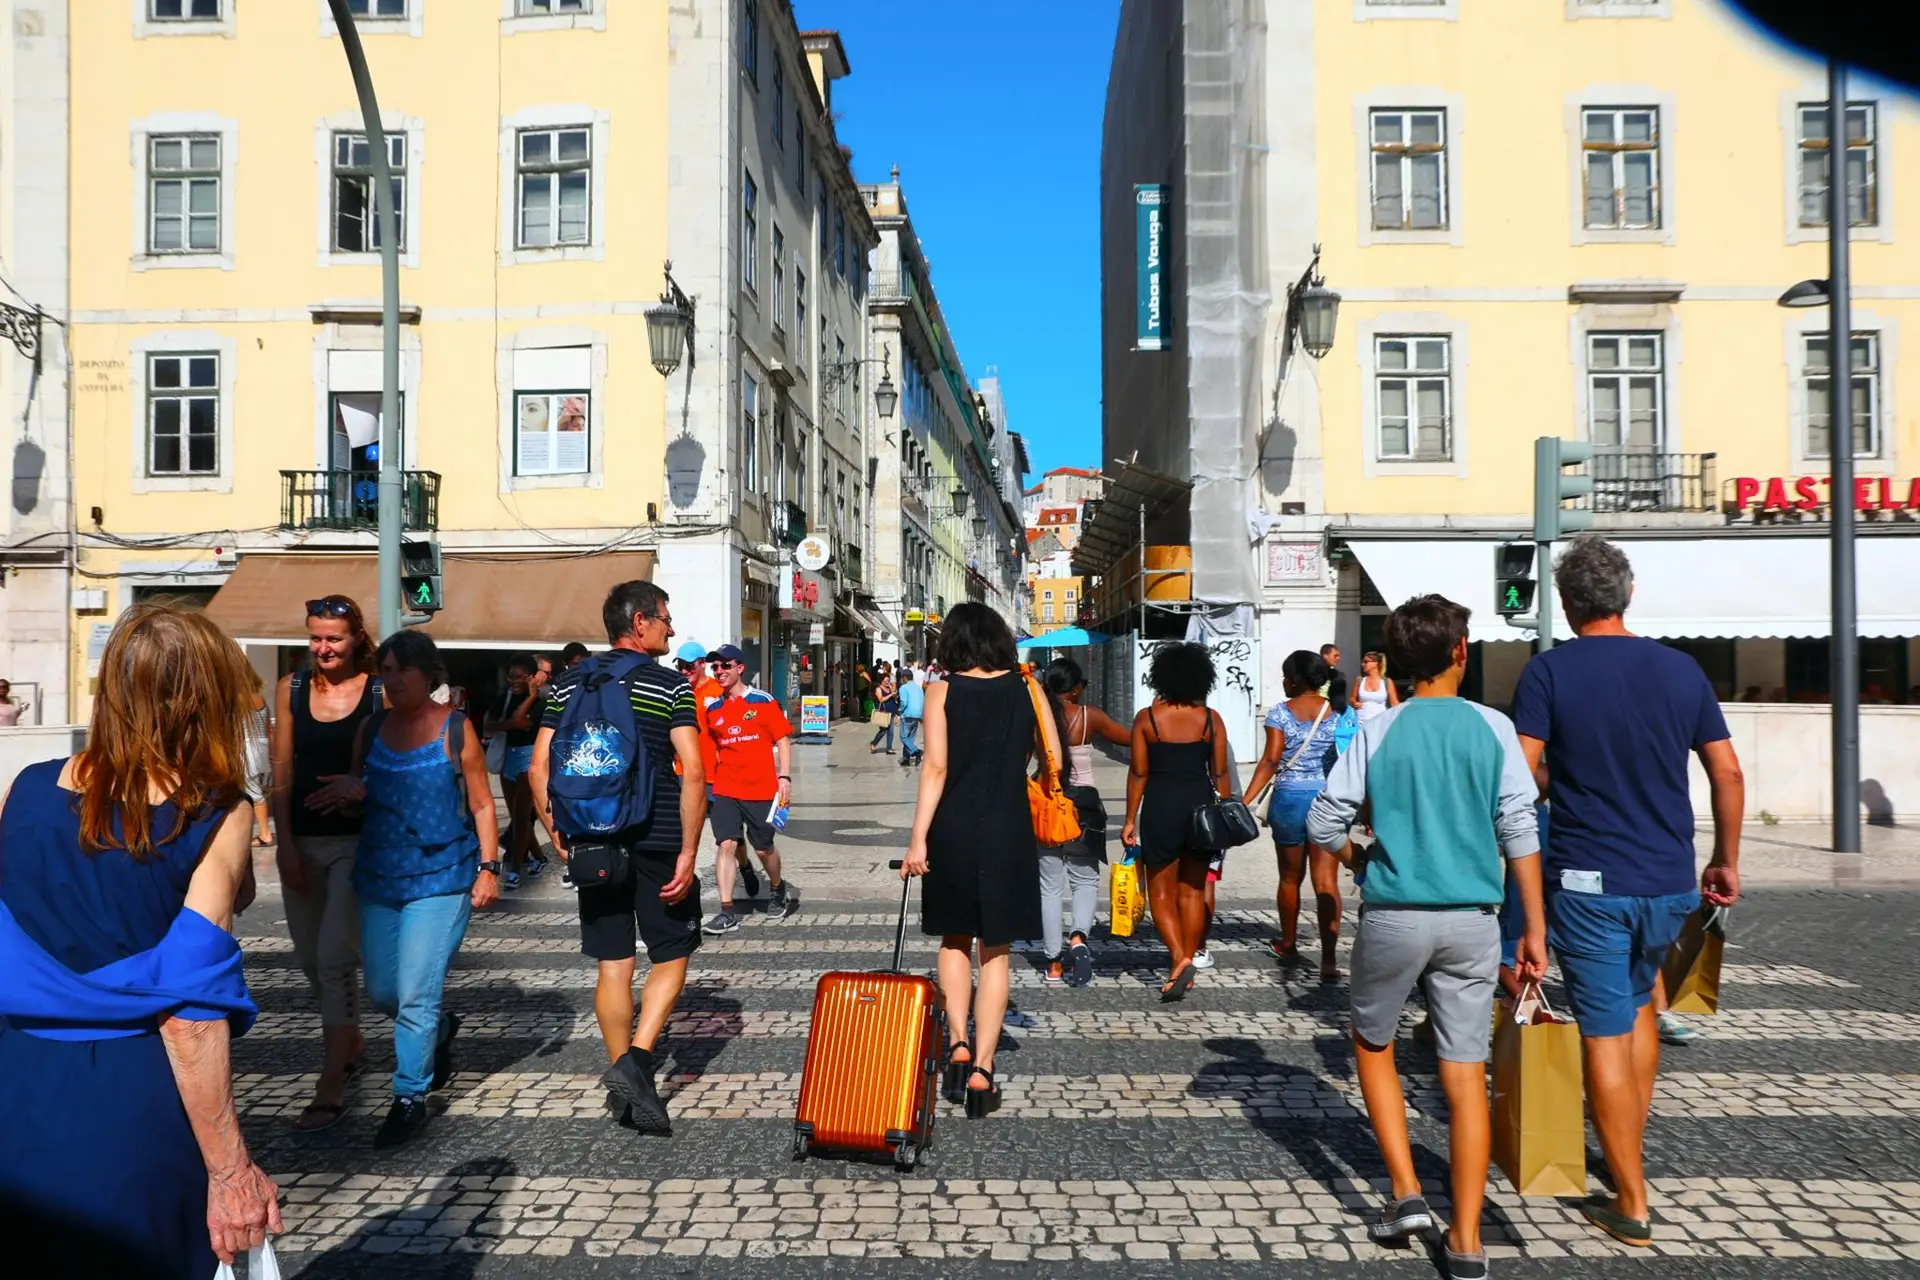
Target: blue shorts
[(1611, 948), (1287, 814), (519, 760)]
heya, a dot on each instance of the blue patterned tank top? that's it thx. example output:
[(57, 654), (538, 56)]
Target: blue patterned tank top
[(416, 836)]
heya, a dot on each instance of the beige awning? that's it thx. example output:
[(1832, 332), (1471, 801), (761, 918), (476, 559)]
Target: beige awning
[(494, 601)]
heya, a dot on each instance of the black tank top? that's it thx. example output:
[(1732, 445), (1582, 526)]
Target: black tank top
[(322, 749)]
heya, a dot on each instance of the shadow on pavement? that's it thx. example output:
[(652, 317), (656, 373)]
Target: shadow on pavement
[(352, 1259)]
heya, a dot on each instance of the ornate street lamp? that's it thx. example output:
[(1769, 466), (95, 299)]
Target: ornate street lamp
[(670, 327), (1313, 310), (979, 526), (959, 500), (885, 396)]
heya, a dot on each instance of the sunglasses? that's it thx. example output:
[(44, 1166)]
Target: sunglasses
[(329, 609)]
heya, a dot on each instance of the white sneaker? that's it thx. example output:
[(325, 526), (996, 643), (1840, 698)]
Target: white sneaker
[(1201, 960)]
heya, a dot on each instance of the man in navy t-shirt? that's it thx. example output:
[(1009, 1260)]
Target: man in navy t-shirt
[(1615, 716)]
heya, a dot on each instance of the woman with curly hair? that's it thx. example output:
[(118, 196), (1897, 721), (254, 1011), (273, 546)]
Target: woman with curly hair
[(1179, 763)]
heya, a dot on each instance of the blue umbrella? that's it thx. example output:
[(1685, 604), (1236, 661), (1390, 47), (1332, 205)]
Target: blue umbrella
[(1064, 638)]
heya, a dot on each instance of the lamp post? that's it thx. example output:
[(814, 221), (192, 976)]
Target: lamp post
[(670, 327), (1844, 656), (835, 373), (1313, 310)]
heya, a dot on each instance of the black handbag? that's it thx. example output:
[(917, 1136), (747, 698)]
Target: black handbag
[(1222, 822), (594, 865)]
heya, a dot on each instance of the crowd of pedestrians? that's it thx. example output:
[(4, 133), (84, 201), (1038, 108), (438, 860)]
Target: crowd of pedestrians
[(1476, 843)]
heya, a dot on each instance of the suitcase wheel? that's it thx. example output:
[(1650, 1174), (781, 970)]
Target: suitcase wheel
[(799, 1146), (906, 1156)]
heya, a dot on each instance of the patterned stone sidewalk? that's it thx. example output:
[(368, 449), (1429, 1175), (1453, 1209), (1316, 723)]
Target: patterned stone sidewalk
[(1041, 1221)]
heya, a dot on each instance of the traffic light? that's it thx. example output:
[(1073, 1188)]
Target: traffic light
[(420, 576), (1513, 578), (1553, 486)]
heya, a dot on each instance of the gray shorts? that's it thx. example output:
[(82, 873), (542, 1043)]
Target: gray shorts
[(1459, 951)]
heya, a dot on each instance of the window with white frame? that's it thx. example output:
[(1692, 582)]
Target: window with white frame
[(1626, 392), (1865, 394), (355, 228), (750, 39), (1620, 147), (800, 152), (1816, 163), (556, 185), (1409, 169), (749, 434), (779, 112), (749, 232), (1413, 397), (183, 193), (544, 8), (825, 231), (377, 10), (184, 10), (183, 413), (779, 282), (800, 317), (552, 411)]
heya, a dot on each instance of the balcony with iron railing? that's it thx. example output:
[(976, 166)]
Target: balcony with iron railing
[(891, 286), (349, 501), (1631, 482), (789, 521)]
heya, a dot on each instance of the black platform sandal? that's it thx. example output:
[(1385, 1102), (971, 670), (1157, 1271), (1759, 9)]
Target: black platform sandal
[(982, 1102), (954, 1086)]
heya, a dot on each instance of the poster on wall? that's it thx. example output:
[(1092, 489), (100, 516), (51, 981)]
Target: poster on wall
[(813, 713), (1150, 222)]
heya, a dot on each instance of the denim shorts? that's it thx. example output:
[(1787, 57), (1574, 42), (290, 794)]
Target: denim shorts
[(1611, 948), (519, 760), (1287, 814)]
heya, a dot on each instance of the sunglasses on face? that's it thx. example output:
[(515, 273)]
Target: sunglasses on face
[(329, 609)]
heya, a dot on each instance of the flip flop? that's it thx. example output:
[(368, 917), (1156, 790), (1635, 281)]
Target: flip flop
[(1283, 953), (334, 1112), (1176, 990)]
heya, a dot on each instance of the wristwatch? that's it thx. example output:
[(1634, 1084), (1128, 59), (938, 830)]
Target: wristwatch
[(491, 867)]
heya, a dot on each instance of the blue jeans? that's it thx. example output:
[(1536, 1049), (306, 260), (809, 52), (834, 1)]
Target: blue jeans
[(910, 736), (886, 733), (405, 949), (1611, 948)]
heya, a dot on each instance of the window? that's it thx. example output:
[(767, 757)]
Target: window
[(749, 434), (1413, 395), (540, 8), (779, 281), (749, 232), (355, 228), (750, 39), (552, 411), (184, 10), (779, 106), (1409, 170), (800, 152), (1816, 164), (800, 317), (1620, 147), (777, 474), (356, 431), (377, 9), (1046, 593), (556, 176), (183, 197), (825, 247), (1069, 594), (1865, 398), (183, 414), (840, 243), (1625, 399)]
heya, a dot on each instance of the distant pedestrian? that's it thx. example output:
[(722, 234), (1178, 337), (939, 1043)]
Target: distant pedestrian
[(1375, 694), (260, 766), (862, 692), (886, 702), (913, 710), (973, 837), (318, 712), (1301, 747), (429, 855), (1450, 792), (1072, 872), (9, 709), (658, 898), (573, 655), (516, 715), (1614, 717), (1329, 654), (1179, 763), (752, 747)]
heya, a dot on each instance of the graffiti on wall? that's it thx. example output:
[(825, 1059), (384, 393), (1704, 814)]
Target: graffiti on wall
[(1236, 690)]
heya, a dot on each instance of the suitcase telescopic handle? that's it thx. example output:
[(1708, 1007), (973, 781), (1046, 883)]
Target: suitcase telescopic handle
[(900, 934)]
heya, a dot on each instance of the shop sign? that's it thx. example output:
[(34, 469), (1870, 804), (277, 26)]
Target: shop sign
[(817, 634), (915, 616), (1809, 493), (1295, 562), (1150, 221), (813, 713), (801, 596), (812, 553)]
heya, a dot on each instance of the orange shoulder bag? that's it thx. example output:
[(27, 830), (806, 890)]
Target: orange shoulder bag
[(1056, 820)]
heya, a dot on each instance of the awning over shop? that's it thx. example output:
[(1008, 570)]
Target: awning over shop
[(494, 601), (876, 621), (1751, 586)]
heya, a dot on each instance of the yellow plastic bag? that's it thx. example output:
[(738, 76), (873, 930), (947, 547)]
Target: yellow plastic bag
[(1129, 899)]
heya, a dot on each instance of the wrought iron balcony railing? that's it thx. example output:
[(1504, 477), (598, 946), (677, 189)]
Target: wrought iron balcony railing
[(350, 500), (1629, 480), (850, 562), (789, 523)]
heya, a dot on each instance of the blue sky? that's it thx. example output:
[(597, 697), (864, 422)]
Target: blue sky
[(992, 110)]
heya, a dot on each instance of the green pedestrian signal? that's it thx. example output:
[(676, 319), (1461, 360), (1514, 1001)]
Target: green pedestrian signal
[(1513, 578), (423, 594), (420, 576)]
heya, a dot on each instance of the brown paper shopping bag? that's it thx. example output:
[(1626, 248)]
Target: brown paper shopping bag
[(1539, 1127), (1692, 970)]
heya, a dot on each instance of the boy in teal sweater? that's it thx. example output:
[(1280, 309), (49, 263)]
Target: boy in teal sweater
[(1449, 792)]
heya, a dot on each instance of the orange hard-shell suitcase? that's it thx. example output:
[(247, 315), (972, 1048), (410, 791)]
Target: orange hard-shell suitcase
[(873, 1053)]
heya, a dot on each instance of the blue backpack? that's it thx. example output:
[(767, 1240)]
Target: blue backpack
[(600, 777)]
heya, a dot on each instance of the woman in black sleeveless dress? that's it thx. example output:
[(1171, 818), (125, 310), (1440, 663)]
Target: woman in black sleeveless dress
[(1179, 763), (973, 836)]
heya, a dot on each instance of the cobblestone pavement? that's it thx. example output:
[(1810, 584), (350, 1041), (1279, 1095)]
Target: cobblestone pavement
[(1218, 1137)]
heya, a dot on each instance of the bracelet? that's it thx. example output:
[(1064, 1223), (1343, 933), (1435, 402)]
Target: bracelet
[(786, 777)]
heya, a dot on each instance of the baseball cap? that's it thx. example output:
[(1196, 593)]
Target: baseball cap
[(691, 651), (729, 653)]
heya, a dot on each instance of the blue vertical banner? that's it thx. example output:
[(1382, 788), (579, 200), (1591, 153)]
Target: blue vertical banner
[(1150, 226)]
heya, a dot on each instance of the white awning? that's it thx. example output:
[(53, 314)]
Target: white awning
[(1731, 587)]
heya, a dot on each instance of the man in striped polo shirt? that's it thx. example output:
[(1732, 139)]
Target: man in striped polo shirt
[(660, 901)]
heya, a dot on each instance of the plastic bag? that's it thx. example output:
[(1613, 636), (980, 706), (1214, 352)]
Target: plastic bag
[(261, 1265), (1129, 898)]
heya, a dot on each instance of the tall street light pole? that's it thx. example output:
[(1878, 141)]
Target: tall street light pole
[(391, 617), (1845, 664)]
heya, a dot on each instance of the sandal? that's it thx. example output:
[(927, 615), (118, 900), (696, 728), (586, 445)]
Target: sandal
[(1082, 956), (1056, 974), (334, 1113), (1178, 986), (1285, 952), (982, 1102), (955, 1084)]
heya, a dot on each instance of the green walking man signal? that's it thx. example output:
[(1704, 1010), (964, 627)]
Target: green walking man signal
[(420, 587), (1513, 578)]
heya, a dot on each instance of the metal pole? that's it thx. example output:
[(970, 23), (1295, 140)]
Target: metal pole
[(389, 489), (1543, 598), (1845, 660)]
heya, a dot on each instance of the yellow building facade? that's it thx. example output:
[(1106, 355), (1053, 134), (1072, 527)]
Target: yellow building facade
[(225, 300), (1055, 604)]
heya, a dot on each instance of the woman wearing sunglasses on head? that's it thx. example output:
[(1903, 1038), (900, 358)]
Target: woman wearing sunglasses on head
[(317, 713)]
